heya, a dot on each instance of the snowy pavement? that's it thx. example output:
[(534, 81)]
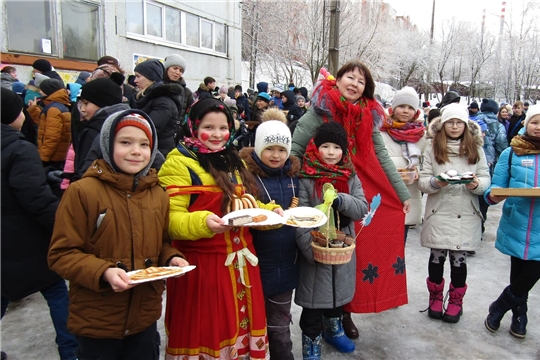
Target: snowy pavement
[(401, 333)]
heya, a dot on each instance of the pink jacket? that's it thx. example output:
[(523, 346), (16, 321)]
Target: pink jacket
[(69, 166)]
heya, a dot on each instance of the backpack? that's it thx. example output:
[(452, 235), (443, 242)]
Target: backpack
[(63, 108)]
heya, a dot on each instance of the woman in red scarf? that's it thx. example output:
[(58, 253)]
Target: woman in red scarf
[(380, 257)]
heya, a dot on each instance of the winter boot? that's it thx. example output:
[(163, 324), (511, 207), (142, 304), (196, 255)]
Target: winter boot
[(455, 304), (348, 325), (311, 349), (499, 307), (335, 335), (519, 320), (435, 309)]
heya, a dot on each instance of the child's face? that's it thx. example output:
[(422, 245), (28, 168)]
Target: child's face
[(283, 99), (131, 150), (300, 102), (454, 128), (504, 113), (351, 85), (274, 156), (331, 153), (261, 104), (213, 131), (533, 127), (404, 113), (88, 109)]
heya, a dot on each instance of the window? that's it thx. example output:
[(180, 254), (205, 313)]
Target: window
[(207, 35), (172, 23), (154, 20), (146, 17), (80, 29), (34, 27), (221, 38), (31, 26), (192, 30), (134, 16)]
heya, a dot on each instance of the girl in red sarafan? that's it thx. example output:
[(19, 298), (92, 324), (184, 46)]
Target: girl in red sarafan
[(219, 311)]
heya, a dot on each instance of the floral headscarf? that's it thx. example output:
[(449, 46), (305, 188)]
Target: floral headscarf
[(194, 117)]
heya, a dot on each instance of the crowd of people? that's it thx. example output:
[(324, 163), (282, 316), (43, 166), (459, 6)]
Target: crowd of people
[(101, 177)]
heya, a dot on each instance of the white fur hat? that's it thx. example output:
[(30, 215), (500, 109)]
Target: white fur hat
[(533, 110), (406, 96), (272, 133), (454, 111)]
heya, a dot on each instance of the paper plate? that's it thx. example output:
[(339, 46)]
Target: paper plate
[(184, 269), (453, 182), (302, 212), (271, 217)]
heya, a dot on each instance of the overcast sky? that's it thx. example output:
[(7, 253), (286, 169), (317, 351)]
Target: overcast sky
[(467, 10)]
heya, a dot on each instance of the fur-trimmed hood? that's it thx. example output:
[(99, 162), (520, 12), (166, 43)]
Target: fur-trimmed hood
[(436, 125), (246, 155), (173, 91)]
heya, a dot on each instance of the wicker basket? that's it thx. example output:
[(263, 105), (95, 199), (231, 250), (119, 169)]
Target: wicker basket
[(328, 255)]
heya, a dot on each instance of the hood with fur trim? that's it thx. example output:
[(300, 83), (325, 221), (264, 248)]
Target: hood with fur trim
[(173, 91), (436, 125), (253, 167)]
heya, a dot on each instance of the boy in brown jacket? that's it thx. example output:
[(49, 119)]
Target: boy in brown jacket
[(115, 219), (54, 123)]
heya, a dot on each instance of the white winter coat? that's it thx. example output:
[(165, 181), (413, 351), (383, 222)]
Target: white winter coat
[(395, 151), (452, 219)]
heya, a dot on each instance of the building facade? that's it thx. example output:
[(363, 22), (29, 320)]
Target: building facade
[(74, 34)]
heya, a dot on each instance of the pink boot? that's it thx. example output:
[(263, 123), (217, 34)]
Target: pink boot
[(455, 304), (435, 310)]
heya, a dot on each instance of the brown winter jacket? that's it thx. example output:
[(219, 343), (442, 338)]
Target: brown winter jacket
[(54, 127), (133, 233)]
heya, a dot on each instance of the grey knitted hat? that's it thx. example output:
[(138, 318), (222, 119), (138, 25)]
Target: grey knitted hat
[(175, 59), (406, 96)]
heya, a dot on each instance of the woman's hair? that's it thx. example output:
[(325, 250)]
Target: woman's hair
[(467, 147), (142, 92), (369, 90), (8, 69)]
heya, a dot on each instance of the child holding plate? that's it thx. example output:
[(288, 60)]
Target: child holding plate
[(112, 221), (452, 220), (218, 311), (324, 289), (519, 229), (277, 177)]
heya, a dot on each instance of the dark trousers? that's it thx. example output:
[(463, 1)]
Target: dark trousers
[(484, 206), (278, 319), (523, 275), (311, 319), (57, 299), (140, 346)]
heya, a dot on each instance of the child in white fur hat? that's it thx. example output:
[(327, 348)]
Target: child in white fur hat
[(277, 176), (452, 220), (403, 135)]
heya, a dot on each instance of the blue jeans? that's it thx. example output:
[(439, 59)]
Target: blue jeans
[(58, 301)]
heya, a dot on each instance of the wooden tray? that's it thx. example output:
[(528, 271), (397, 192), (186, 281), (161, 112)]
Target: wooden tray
[(516, 192)]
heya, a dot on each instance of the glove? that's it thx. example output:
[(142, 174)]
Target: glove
[(55, 176)]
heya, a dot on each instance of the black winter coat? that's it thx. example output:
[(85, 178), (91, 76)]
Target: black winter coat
[(244, 102), (28, 211), (293, 111), (91, 131), (161, 102), (276, 249)]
